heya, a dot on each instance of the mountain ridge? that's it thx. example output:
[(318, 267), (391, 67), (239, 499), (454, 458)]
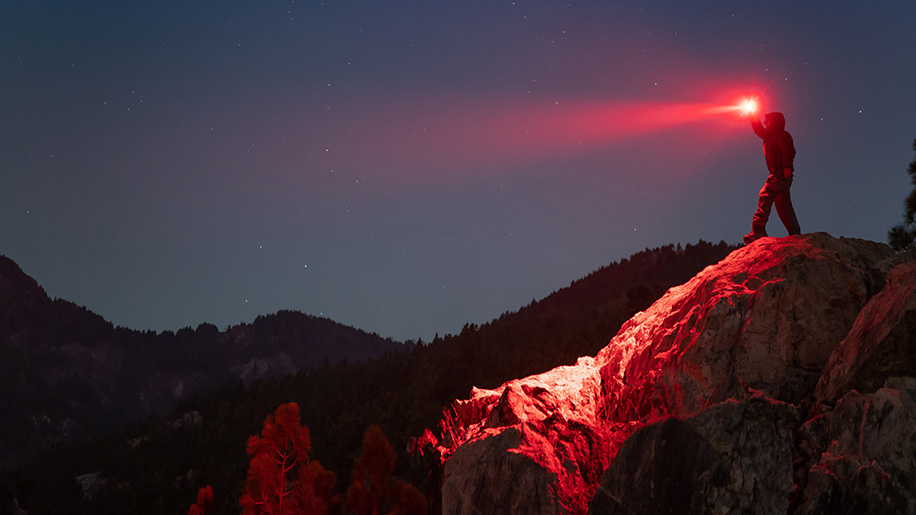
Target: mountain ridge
[(68, 373)]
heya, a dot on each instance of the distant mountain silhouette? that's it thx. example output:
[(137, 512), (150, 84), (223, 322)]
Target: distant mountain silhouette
[(67, 373), (203, 440)]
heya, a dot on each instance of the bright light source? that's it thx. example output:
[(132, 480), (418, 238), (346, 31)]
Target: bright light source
[(749, 106)]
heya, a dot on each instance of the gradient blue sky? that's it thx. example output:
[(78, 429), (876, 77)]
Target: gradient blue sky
[(409, 167)]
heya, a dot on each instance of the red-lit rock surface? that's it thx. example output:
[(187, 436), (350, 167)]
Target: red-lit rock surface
[(733, 355)]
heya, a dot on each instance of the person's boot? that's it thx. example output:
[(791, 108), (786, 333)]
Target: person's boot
[(757, 233)]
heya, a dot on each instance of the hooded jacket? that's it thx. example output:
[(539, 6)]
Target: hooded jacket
[(778, 147)]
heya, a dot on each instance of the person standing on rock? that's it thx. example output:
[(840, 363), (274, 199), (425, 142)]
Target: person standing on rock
[(779, 151)]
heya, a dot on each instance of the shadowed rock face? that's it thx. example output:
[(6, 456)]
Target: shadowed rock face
[(861, 456), (714, 373), (530, 482), (736, 454), (881, 343)]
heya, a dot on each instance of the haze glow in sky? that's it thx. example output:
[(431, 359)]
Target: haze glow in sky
[(409, 167)]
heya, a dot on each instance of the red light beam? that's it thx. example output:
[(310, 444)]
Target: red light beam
[(438, 134)]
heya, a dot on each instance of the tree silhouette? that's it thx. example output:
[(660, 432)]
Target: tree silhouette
[(204, 500), (373, 491), (281, 480), (315, 489), (902, 236)]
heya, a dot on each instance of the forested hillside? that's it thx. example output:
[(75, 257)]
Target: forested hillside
[(158, 466), (67, 374)]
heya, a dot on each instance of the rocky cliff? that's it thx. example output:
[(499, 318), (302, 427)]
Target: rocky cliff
[(778, 380)]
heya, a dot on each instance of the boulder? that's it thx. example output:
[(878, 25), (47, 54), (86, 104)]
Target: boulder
[(861, 457), (766, 318), (881, 343), (485, 476), (532, 436), (735, 457), (763, 322)]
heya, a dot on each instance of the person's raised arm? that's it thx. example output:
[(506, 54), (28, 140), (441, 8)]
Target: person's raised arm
[(756, 125)]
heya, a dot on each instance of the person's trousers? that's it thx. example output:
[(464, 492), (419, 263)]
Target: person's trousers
[(776, 191)]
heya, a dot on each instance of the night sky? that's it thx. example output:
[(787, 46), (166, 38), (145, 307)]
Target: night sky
[(409, 167)]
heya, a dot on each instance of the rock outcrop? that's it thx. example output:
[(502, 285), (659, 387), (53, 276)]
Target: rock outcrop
[(693, 406), (735, 454), (860, 457), (881, 343)]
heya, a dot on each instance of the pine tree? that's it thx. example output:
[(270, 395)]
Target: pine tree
[(374, 491), (204, 500), (315, 489), (903, 235), (281, 480)]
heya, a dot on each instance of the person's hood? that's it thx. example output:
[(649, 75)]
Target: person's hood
[(775, 120)]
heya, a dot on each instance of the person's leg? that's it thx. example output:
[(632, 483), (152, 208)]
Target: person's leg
[(764, 204), (762, 215), (784, 209)]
